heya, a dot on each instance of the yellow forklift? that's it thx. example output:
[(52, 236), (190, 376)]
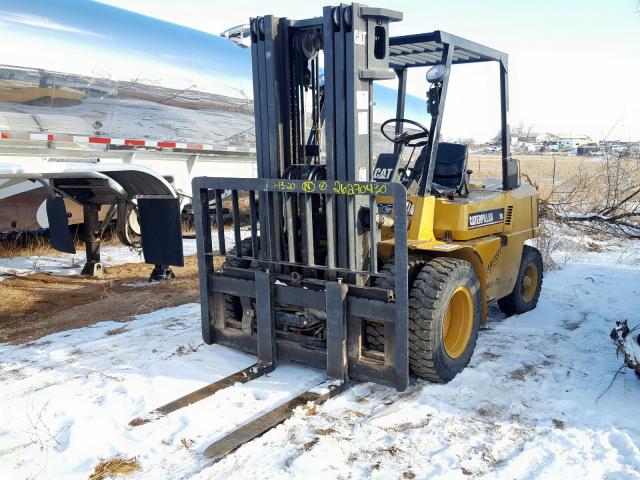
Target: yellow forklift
[(372, 268)]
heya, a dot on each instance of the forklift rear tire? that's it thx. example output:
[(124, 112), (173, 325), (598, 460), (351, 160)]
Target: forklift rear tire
[(444, 318), (526, 291)]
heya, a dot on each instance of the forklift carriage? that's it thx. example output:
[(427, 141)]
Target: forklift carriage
[(302, 284)]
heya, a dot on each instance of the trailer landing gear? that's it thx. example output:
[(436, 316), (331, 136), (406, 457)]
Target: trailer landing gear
[(161, 273), (92, 237)]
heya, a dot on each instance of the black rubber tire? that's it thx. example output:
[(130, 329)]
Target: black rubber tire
[(514, 304), (428, 301), (374, 331), (232, 304), (433, 284)]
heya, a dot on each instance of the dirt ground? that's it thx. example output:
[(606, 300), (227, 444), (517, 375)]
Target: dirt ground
[(36, 305)]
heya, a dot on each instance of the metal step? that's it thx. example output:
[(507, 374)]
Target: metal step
[(244, 434), (254, 371)]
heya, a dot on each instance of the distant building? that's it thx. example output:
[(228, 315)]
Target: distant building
[(589, 149), (547, 138), (573, 141), (550, 142)]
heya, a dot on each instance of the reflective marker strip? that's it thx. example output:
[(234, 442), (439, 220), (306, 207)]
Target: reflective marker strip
[(132, 142)]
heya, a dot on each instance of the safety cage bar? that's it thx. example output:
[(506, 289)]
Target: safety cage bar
[(270, 281)]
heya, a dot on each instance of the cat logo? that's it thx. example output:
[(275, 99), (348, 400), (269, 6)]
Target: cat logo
[(488, 217), (382, 174)]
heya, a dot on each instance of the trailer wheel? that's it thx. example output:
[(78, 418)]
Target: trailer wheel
[(444, 318), (128, 225), (526, 291), (232, 304)]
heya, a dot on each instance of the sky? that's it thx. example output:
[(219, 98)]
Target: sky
[(574, 64), (88, 38)]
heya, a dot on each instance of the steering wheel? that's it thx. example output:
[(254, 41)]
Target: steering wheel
[(405, 137)]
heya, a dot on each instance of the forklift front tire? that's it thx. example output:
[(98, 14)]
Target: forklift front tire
[(444, 318)]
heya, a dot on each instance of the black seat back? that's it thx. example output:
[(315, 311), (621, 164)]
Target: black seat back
[(451, 165)]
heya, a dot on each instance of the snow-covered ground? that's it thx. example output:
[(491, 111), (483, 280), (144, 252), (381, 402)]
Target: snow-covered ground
[(68, 264), (534, 403)]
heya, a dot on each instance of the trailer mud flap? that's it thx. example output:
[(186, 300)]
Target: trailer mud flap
[(59, 234), (161, 231)]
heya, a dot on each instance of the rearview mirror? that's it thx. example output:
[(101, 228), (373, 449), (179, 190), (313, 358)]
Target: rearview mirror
[(437, 73)]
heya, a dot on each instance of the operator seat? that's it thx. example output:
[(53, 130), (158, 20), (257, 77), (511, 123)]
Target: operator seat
[(450, 174)]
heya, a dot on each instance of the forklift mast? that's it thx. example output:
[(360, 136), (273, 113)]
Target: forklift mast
[(299, 288), (353, 42)]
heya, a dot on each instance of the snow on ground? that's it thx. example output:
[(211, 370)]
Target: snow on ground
[(570, 245), (67, 398), (68, 264), (532, 404)]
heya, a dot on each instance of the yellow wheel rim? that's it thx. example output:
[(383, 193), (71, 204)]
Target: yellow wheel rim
[(458, 322), (529, 282)]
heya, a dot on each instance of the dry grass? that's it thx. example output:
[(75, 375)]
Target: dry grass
[(116, 331), (539, 168), (33, 244), (28, 245), (592, 194), (559, 424), (114, 467), (35, 305), (550, 174), (527, 370)]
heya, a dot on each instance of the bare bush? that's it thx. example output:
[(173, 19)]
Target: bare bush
[(546, 243), (602, 197)]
